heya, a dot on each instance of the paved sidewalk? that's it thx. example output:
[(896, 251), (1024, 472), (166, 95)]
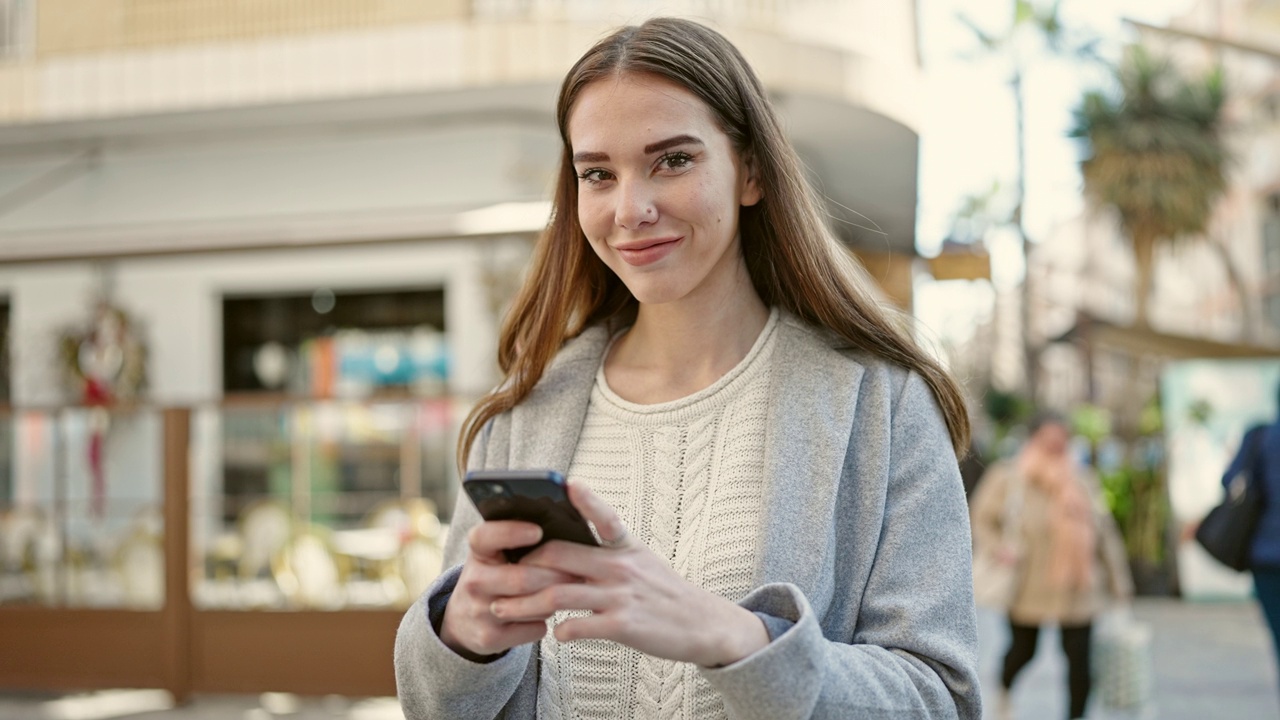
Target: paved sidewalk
[(1211, 660), (99, 706)]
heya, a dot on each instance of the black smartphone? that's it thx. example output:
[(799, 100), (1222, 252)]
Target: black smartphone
[(536, 496)]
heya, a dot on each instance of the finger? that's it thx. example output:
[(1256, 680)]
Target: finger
[(522, 633), (591, 564), (598, 626), (544, 604), (607, 522), (507, 580), (503, 637), (489, 539)]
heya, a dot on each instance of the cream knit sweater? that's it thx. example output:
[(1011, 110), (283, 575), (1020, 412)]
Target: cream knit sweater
[(685, 476)]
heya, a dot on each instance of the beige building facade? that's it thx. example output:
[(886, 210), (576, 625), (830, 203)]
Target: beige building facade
[(1219, 290), (137, 128), (234, 175)]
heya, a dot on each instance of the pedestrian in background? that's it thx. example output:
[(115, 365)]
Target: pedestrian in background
[(1068, 557), (768, 457), (1259, 457)]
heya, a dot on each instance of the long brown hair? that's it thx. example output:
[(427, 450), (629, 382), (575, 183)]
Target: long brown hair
[(794, 260)]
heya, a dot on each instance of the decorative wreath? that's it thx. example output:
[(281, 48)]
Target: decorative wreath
[(105, 362)]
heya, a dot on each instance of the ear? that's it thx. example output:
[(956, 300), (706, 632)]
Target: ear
[(750, 192)]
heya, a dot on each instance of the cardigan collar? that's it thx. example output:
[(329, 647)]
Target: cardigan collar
[(813, 397)]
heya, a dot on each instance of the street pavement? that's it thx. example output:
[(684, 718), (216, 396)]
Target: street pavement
[(1211, 661)]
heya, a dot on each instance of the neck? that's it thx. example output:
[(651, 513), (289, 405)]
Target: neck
[(675, 349)]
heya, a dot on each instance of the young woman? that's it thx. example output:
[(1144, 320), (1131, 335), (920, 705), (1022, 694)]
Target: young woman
[(767, 457), (1070, 559)]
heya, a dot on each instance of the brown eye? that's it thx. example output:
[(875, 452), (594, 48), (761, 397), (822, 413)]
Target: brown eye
[(595, 176), (675, 160)]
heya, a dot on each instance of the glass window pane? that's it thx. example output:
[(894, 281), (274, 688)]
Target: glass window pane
[(321, 505), (82, 519)]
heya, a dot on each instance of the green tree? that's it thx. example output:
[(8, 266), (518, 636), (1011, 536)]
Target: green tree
[(1155, 151), (1034, 29)]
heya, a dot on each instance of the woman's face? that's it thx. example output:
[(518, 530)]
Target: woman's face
[(659, 187), (1054, 440)]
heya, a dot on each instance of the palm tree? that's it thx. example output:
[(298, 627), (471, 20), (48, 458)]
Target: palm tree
[(1032, 24), (1156, 153)]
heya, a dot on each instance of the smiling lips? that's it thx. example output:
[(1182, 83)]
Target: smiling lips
[(647, 252)]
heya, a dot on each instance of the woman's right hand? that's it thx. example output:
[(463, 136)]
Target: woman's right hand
[(470, 627)]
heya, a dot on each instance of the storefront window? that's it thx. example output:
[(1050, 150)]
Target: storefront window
[(81, 520), (319, 505), (326, 344), (5, 373), (323, 481), (1271, 260)]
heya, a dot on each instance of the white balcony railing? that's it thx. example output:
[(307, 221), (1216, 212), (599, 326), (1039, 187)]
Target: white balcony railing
[(883, 28), (154, 56), (610, 10)]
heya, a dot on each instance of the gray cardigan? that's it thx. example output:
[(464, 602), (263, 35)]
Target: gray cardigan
[(865, 549)]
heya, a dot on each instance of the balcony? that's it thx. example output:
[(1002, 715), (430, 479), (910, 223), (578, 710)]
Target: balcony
[(118, 57), (98, 100)]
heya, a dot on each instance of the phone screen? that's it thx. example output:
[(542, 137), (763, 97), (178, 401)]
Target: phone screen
[(536, 496)]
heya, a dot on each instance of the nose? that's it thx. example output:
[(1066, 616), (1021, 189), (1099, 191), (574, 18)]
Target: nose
[(635, 207)]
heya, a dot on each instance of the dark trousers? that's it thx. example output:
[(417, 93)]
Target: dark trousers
[(1266, 584), (1075, 643)]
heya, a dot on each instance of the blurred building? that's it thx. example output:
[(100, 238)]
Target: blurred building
[(284, 232), (1085, 270)]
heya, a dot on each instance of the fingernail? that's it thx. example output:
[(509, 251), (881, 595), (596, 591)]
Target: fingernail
[(534, 534), (495, 609)]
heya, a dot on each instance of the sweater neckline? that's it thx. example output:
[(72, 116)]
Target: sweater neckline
[(689, 401)]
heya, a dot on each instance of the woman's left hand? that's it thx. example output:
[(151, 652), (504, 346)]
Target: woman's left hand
[(635, 598)]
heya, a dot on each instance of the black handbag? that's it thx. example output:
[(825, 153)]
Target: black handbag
[(1227, 531)]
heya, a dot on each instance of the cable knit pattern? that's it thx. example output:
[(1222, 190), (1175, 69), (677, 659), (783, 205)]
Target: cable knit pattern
[(686, 478)]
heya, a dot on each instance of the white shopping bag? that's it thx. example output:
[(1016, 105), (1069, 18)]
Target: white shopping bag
[(1122, 660)]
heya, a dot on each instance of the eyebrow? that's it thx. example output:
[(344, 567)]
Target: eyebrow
[(648, 149), (670, 143)]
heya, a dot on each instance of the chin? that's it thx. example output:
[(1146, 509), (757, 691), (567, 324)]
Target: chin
[(651, 293)]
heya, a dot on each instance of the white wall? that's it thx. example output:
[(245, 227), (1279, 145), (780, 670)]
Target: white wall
[(177, 303), (306, 185)]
